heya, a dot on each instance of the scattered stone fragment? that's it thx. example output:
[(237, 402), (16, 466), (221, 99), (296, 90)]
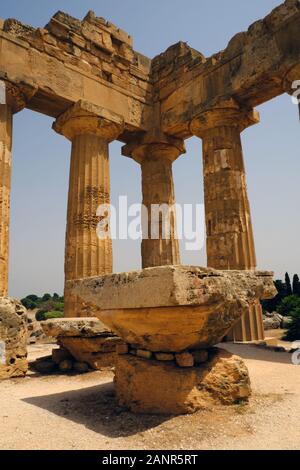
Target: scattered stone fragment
[(286, 322), (122, 348), (81, 367), (143, 353), (200, 356), (66, 365), (85, 340), (184, 360), (97, 352), (60, 354), (44, 366), (271, 323), (164, 357)]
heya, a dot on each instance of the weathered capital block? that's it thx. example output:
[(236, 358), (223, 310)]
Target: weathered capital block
[(13, 339), (85, 118), (174, 308)]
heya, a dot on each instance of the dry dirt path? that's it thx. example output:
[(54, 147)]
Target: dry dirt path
[(79, 412)]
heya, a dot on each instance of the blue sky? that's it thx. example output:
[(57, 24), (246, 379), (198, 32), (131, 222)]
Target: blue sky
[(41, 158)]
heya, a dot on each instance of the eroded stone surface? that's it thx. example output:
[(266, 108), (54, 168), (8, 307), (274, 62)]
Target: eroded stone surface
[(168, 286), (13, 339), (97, 352), (174, 308), (85, 339), (76, 58), (83, 327), (147, 386)]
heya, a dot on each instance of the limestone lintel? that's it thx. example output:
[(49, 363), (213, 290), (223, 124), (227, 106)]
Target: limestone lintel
[(87, 118), (225, 114), (154, 145), (17, 95)]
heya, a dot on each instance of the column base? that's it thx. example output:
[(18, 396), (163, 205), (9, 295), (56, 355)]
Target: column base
[(157, 387)]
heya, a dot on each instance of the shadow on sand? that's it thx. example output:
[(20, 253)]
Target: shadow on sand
[(96, 409), (246, 351)]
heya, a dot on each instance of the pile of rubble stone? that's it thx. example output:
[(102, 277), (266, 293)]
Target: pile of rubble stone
[(85, 344), (274, 321)]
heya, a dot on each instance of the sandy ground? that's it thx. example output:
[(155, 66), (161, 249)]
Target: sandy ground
[(80, 412)]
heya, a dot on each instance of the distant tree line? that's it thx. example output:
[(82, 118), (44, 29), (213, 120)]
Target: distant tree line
[(47, 306), (287, 303), (284, 289)]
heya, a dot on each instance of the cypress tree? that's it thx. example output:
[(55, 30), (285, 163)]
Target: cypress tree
[(288, 284), (296, 285)]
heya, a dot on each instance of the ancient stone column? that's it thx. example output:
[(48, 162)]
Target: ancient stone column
[(230, 243), (5, 177), (160, 243), (12, 100), (90, 129)]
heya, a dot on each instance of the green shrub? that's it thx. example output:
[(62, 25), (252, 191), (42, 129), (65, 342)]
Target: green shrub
[(288, 305), (293, 331), (29, 304), (32, 297), (58, 306), (46, 297), (50, 306), (44, 304), (40, 315), (53, 314)]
